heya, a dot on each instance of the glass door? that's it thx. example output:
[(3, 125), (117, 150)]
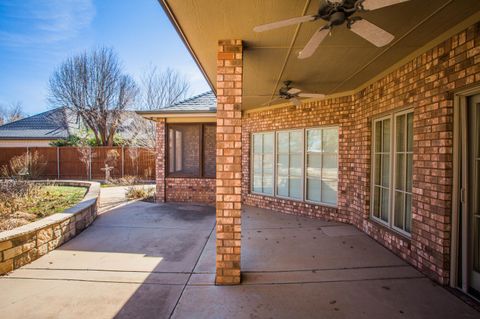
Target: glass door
[(473, 189)]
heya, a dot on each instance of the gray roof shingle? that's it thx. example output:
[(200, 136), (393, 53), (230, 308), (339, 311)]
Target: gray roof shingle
[(47, 125), (205, 102)]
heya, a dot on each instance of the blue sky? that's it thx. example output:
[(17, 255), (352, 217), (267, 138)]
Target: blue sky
[(37, 35)]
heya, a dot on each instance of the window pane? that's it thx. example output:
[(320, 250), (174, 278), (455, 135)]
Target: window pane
[(410, 132), (384, 205), (282, 142), (263, 161), (257, 164), (376, 201), (267, 183), (408, 213), (386, 136), (314, 165), (409, 172), (268, 163), (385, 170), (296, 165), (399, 212), (257, 143), (314, 189), (329, 191), (282, 165), (296, 187), (329, 170), (378, 169), (378, 136), (268, 139), (178, 151), (209, 150), (257, 183), (282, 186), (296, 143), (314, 140), (330, 140), (400, 133), (400, 172)]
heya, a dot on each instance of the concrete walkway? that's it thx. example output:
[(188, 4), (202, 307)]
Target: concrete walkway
[(145, 260), (111, 197)]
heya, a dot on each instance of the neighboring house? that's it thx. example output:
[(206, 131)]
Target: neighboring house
[(393, 148), (41, 129), (37, 130)]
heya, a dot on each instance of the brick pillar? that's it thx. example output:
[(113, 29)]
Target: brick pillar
[(229, 161), (160, 161)]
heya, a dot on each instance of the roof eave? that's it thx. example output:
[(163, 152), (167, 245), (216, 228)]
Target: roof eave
[(173, 20)]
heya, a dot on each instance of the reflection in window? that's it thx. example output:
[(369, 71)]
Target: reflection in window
[(190, 145), (322, 167)]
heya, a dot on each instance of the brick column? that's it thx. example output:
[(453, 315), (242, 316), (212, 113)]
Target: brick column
[(229, 161), (160, 161)]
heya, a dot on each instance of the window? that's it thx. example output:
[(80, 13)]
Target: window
[(191, 150), (303, 165), (392, 170), (290, 164), (263, 163), (322, 165)]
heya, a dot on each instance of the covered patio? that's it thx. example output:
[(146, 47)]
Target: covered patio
[(145, 260)]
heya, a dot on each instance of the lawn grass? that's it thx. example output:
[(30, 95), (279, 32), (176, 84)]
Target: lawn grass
[(39, 202), (54, 199)]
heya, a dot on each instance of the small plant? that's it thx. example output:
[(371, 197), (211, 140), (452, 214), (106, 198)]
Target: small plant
[(127, 180), (140, 192)]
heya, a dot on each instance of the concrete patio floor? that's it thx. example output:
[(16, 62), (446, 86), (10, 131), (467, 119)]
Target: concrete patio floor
[(144, 260)]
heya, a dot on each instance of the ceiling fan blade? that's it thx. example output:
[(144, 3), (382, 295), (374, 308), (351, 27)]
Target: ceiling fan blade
[(370, 32), (283, 23), (377, 4), (273, 101), (314, 42), (312, 95), (295, 101), (294, 91)]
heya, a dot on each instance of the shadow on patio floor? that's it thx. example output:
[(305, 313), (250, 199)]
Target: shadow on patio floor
[(147, 260)]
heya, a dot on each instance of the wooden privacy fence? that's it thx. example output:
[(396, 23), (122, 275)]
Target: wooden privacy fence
[(87, 163)]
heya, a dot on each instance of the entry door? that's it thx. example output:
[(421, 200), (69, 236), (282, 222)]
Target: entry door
[(473, 189)]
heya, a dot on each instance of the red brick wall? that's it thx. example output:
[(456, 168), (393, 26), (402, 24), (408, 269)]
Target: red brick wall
[(200, 190), (425, 84)]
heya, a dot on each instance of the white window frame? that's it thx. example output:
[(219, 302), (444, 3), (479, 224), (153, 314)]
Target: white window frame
[(303, 166), (392, 176)]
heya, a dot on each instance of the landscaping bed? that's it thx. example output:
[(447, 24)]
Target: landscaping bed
[(23, 202)]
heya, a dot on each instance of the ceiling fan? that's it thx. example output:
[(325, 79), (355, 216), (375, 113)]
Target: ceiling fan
[(289, 93), (335, 13)]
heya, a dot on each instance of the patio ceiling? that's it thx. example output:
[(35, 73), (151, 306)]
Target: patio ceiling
[(342, 63)]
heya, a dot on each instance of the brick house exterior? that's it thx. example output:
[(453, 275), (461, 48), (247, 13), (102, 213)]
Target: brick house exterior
[(426, 83)]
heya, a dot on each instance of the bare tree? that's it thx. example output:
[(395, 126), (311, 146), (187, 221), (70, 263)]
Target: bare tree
[(94, 86), (162, 88), (11, 112), (139, 132)]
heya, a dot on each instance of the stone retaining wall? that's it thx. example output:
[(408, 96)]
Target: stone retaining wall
[(24, 244)]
